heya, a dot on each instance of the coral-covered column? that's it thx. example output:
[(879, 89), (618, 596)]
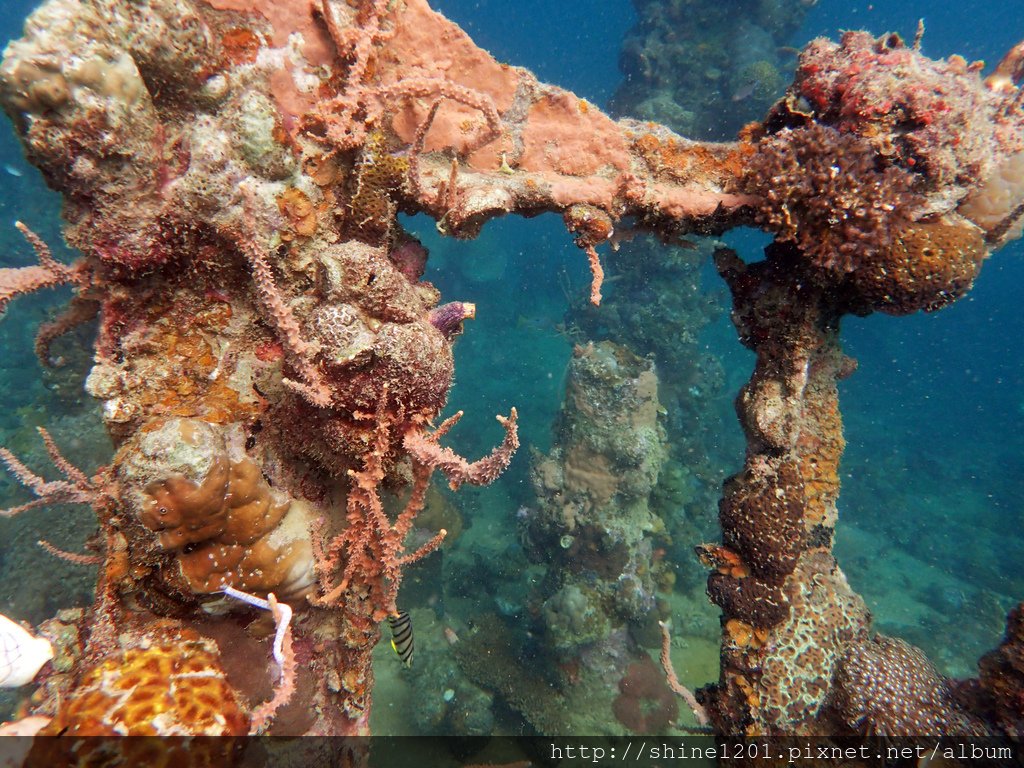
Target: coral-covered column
[(775, 578), (858, 197)]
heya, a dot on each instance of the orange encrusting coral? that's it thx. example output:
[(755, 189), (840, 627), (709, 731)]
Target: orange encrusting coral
[(241, 45), (744, 635), (164, 686), (559, 136), (672, 158), (171, 368), (299, 210), (723, 560), (819, 448)]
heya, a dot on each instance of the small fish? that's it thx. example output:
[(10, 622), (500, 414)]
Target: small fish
[(16, 172), (745, 91), (401, 636)]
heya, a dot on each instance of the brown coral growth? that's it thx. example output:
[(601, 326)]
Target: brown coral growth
[(888, 687), (1002, 678), (830, 193), (763, 521), (645, 703), (926, 266)]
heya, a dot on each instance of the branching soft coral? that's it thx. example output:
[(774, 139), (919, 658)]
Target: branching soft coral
[(424, 448), (48, 273), (372, 547), (300, 352), (76, 488)]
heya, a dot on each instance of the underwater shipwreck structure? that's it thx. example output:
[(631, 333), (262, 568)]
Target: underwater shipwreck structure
[(270, 360)]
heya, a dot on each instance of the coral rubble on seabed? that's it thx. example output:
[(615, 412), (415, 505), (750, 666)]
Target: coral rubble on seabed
[(270, 360)]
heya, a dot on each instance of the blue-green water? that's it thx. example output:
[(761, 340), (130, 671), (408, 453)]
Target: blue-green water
[(931, 509)]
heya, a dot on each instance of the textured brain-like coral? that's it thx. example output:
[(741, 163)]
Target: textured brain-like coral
[(165, 685), (748, 598), (374, 331), (198, 499), (851, 212), (928, 265), (827, 192), (888, 687), (826, 617)]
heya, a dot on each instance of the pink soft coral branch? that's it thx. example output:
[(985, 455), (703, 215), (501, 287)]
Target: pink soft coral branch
[(76, 489), (424, 447), (672, 679), (300, 352), (48, 273)]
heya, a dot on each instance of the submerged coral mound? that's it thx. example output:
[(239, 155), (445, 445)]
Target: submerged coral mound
[(855, 165), (888, 687), (645, 704)]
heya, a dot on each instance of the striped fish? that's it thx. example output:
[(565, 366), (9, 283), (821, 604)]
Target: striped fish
[(401, 636)]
